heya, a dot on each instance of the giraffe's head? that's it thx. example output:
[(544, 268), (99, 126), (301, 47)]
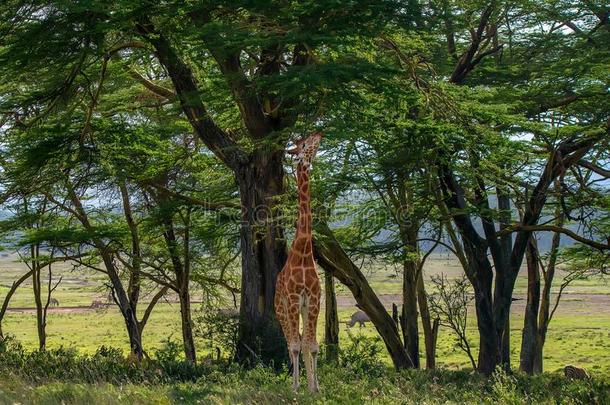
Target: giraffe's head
[(306, 148)]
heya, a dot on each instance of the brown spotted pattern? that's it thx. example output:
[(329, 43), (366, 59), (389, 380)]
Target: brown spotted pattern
[(297, 293)]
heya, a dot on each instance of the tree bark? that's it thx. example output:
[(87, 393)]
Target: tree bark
[(409, 317), (187, 326), (129, 314), (430, 328), (259, 176), (504, 250), (37, 288), (331, 326), (263, 250), (529, 341), (478, 270), (134, 283), (489, 341), (538, 315), (333, 259)]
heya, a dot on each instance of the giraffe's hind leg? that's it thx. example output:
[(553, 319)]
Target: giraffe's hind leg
[(309, 311), (281, 307), (293, 337)]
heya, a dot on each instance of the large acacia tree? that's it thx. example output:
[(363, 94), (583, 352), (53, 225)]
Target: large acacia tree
[(246, 75)]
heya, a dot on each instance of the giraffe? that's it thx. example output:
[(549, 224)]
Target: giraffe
[(298, 285)]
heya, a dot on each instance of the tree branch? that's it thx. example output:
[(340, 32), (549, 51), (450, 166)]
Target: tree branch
[(187, 91), (597, 169), (553, 228)]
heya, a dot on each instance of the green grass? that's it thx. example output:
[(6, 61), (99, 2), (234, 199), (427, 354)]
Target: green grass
[(337, 385), (579, 334)]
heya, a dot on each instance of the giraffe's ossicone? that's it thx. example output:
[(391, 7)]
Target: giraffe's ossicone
[(297, 293)]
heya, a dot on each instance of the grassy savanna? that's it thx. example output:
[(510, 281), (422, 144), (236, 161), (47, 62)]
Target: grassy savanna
[(578, 334), (263, 386), (199, 155)]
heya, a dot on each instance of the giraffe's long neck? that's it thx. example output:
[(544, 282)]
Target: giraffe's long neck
[(302, 240)]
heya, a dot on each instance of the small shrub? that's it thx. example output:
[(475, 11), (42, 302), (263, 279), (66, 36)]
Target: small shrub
[(362, 354), (8, 344), (219, 328), (169, 352), (504, 388), (172, 367)]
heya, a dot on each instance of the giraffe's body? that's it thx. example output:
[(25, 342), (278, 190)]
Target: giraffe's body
[(298, 286)]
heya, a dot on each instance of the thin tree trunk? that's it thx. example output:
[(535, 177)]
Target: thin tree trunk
[(331, 326), (430, 328), (181, 266), (37, 288), (123, 301), (133, 286), (153, 302), (187, 326), (505, 346), (409, 317), (395, 316), (544, 317), (129, 314)]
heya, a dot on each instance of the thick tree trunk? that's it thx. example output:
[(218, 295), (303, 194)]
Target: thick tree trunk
[(503, 295), (538, 317), (409, 317), (529, 341), (430, 328), (263, 250), (332, 258), (331, 326), (478, 270), (489, 353), (489, 341), (411, 271), (502, 262), (480, 274)]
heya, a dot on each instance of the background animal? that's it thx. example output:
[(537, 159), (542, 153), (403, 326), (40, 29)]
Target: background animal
[(358, 317), (576, 373), (54, 302), (97, 304)]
